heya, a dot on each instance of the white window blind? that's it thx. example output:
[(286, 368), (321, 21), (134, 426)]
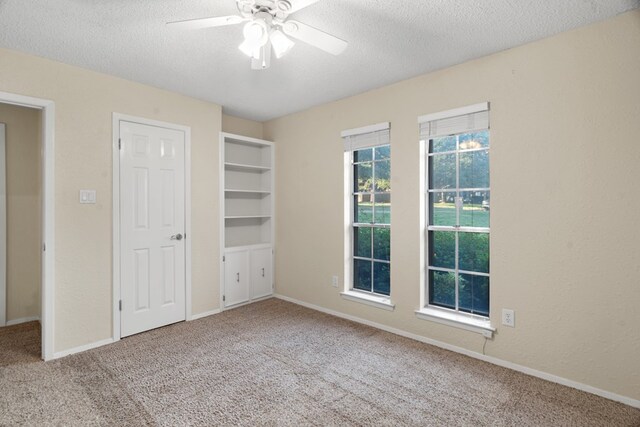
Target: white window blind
[(465, 119), (366, 137)]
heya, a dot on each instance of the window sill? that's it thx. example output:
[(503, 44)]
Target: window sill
[(457, 320), (369, 299)]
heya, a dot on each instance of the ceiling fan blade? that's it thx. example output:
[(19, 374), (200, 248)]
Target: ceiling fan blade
[(196, 24), (314, 37), (296, 5)]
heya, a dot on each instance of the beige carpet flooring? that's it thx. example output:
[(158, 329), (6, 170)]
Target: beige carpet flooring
[(275, 363)]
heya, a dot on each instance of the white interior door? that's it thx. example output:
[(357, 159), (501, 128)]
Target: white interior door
[(152, 227)]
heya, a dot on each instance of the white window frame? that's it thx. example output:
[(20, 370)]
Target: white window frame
[(446, 316), (365, 137)]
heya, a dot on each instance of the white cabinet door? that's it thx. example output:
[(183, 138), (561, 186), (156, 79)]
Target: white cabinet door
[(236, 278), (261, 278)]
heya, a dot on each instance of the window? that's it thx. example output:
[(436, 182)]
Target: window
[(458, 209), (372, 220), (368, 155)]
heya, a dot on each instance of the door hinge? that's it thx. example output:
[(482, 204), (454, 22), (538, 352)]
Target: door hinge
[(44, 247), (120, 305), (224, 259), (224, 298), (119, 144)]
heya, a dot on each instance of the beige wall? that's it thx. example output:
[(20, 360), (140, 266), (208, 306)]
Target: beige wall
[(565, 120), (24, 215), (241, 126), (85, 102)]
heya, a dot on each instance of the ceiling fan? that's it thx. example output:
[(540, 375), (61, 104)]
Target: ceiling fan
[(267, 27)]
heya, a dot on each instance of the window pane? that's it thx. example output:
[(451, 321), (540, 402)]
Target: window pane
[(381, 278), (474, 169), (362, 275), (474, 294), (362, 242), (362, 177), (473, 252), (383, 176), (475, 209), (442, 208), (383, 152), (446, 143), (382, 243), (363, 209), (383, 208), (442, 172), (474, 140), (442, 289), (363, 155), (442, 249)]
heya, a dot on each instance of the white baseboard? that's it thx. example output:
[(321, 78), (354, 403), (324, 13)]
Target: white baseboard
[(493, 360), (22, 320), (205, 314), (82, 348), (97, 344)]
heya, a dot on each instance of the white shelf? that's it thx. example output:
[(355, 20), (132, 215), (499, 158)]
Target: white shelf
[(232, 190), (245, 167), (246, 141), (247, 216), (250, 245), (247, 193)]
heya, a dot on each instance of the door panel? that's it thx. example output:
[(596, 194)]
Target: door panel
[(141, 197), (152, 210), (168, 197), (141, 283), (168, 274), (236, 278), (261, 277)]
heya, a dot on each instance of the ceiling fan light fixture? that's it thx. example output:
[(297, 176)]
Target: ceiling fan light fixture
[(256, 31), (281, 43), (256, 35), (250, 49)]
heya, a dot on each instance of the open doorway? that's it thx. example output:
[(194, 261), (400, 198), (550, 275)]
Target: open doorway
[(26, 228), (20, 231)]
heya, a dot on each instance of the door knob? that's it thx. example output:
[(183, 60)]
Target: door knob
[(176, 237)]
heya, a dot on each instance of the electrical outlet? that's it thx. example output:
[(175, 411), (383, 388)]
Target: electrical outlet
[(334, 281), (508, 318)]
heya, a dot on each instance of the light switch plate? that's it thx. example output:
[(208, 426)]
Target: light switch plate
[(87, 196)]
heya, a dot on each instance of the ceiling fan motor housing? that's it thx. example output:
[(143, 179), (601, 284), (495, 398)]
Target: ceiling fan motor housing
[(277, 9)]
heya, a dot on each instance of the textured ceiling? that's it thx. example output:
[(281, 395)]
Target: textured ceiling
[(389, 40)]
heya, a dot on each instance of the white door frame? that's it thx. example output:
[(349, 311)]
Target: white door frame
[(48, 212), (117, 118), (3, 228)]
